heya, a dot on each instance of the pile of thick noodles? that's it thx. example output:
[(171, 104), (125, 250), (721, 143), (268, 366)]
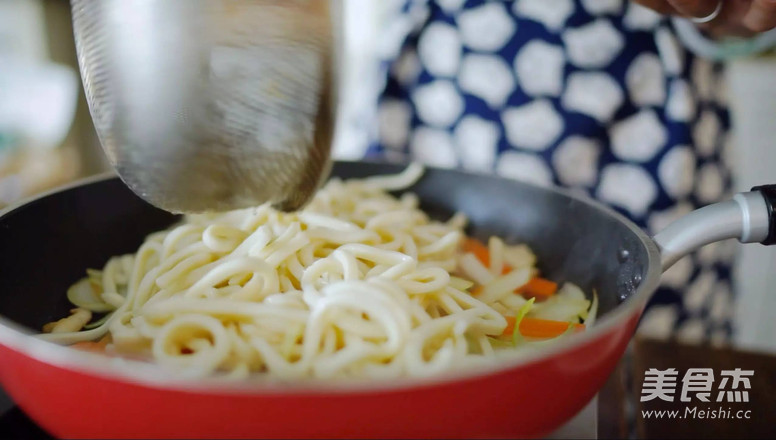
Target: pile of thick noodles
[(359, 284)]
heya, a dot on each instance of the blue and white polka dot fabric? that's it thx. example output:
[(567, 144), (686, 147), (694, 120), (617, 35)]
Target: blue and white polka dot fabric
[(596, 95)]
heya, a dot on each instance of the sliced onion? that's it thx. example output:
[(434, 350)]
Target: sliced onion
[(572, 291), (83, 295), (519, 256), (560, 308), (504, 285)]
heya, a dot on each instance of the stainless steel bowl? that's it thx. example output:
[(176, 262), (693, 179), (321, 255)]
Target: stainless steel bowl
[(212, 104)]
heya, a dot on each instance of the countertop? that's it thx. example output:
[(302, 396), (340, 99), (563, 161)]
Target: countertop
[(622, 414)]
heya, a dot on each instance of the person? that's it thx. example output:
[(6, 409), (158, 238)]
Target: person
[(606, 97)]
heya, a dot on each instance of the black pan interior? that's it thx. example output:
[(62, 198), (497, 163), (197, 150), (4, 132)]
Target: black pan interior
[(47, 244)]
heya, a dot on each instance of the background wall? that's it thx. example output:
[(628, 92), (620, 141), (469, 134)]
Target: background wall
[(752, 86)]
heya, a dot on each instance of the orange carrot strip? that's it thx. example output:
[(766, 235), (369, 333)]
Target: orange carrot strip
[(538, 287), (476, 247), (545, 328), (480, 250), (510, 328), (477, 290), (539, 328)]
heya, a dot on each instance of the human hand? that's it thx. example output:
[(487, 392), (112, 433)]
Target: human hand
[(743, 18)]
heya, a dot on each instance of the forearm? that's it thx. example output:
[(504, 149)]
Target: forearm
[(721, 29), (722, 48)]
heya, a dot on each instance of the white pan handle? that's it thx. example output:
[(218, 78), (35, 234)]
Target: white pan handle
[(750, 217)]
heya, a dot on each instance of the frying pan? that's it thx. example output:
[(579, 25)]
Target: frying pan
[(47, 243)]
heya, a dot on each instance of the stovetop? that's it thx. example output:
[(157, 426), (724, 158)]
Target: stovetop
[(15, 425)]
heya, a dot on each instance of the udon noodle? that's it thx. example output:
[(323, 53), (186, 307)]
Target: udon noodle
[(359, 284)]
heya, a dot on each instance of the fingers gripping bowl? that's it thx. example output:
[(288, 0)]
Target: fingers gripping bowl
[(574, 241)]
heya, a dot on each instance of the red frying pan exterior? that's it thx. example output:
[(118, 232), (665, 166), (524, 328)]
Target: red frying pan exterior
[(77, 396), (525, 401)]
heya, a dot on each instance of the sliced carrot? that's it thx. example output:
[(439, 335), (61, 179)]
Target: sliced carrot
[(476, 290), (510, 328), (545, 328), (480, 250), (539, 328), (535, 287), (538, 287), (476, 247)]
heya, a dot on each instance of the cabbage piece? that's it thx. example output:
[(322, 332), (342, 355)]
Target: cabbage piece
[(568, 305), (516, 336)]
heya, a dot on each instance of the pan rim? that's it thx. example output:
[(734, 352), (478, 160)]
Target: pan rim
[(20, 339)]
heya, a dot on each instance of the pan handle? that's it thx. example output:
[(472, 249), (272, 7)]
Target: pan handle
[(749, 216)]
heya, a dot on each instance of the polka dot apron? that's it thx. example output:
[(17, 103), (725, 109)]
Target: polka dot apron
[(595, 95)]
